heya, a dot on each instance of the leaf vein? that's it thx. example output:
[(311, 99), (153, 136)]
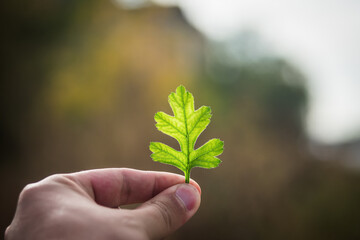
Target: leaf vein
[(175, 157), (172, 125)]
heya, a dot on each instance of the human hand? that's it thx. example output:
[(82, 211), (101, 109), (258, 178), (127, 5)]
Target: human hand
[(85, 205)]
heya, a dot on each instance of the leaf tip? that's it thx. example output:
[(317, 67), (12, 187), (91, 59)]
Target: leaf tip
[(180, 88)]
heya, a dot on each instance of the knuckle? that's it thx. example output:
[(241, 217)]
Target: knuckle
[(56, 178), (29, 191), (61, 179), (34, 190), (7, 233)]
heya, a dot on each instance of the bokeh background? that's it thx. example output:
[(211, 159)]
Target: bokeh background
[(82, 80)]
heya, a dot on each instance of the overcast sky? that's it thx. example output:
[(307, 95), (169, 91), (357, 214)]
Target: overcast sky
[(321, 38)]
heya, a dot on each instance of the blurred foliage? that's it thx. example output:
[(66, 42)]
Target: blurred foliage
[(81, 81)]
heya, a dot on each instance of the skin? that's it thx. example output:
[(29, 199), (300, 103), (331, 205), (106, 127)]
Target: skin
[(85, 205)]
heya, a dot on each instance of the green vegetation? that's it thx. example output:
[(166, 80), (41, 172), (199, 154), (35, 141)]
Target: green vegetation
[(185, 126)]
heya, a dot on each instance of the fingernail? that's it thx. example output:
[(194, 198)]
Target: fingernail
[(187, 195)]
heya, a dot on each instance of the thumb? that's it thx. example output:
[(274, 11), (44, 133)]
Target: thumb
[(169, 210)]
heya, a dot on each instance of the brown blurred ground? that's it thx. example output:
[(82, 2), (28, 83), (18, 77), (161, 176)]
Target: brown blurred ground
[(80, 83)]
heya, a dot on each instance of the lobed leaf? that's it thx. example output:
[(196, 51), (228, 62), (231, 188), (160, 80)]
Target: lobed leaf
[(185, 126)]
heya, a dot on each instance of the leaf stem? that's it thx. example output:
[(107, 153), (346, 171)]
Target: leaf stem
[(187, 175)]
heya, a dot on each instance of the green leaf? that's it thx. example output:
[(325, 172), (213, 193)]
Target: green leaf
[(185, 126)]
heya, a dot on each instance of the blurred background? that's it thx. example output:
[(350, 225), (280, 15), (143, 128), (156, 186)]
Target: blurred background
[(82, 80)]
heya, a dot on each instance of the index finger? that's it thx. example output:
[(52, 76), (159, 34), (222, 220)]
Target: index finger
[(113, 187)]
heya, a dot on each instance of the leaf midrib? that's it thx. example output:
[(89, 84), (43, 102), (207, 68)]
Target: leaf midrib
[(187, 131)]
